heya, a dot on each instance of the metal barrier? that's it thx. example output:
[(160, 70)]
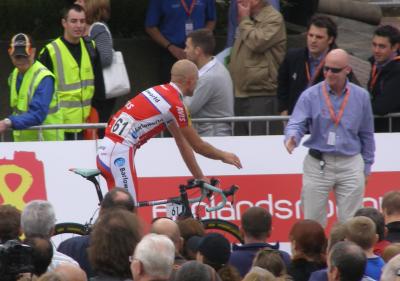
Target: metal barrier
[(232, 120)]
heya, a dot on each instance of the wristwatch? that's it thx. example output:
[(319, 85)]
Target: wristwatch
[(7, 122)]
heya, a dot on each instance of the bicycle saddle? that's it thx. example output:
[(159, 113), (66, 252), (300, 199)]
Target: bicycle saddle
[(86, 173)]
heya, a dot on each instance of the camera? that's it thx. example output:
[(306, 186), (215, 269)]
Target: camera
[(15, 258)]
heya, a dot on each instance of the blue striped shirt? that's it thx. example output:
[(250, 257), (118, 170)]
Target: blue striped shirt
[(355, 132)]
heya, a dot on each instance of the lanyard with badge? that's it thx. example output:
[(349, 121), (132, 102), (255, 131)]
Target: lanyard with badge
[(189, 23), (335, 118)]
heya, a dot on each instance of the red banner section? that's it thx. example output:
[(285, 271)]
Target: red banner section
[(21, 179), (280, 194)]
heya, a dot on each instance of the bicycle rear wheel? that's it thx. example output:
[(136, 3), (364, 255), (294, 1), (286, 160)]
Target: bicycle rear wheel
[(66, 230), (229, 230)]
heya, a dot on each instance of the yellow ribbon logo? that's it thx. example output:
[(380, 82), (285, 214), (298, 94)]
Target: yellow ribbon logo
[(14, 197)]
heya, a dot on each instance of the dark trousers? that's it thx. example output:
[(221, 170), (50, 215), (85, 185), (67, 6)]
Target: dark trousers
[(166, 62)]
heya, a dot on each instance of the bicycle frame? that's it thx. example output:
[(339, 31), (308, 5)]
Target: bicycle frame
[(206, 191)]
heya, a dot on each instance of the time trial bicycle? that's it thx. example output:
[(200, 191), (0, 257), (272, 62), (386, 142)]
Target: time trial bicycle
[(177, 207)]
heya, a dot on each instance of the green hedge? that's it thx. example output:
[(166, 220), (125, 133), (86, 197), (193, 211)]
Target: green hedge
[(42, 18)]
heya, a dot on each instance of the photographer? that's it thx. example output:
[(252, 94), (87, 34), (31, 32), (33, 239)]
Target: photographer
[(16, 261)]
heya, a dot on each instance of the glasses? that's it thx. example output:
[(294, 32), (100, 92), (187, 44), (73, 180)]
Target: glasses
[(333, 69)]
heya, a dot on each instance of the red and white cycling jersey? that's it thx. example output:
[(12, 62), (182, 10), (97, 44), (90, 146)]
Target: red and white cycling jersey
[(148, 114)]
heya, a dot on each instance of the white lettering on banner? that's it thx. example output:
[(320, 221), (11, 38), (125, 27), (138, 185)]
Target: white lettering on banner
[(282, 209)]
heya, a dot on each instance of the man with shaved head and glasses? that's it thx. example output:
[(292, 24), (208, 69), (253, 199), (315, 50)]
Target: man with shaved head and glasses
[(338, 115)]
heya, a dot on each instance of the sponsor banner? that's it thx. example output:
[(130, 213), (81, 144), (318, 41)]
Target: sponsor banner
[(270, 177)]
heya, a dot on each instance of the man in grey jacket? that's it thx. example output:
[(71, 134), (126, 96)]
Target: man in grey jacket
[(213, 95)]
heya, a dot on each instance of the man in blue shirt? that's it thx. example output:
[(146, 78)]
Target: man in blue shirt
[(168, 22), (339, 117)]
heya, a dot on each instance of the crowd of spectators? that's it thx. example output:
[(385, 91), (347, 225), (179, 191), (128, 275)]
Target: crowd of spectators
[(120, 249), (263, 79)]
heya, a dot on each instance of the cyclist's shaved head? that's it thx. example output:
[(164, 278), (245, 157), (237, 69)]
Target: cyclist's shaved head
[(120, 198), (184, 74), (182, 70), (169, 228)]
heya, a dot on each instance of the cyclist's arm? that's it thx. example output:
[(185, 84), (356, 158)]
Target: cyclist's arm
[(186, 151), (206, 149)]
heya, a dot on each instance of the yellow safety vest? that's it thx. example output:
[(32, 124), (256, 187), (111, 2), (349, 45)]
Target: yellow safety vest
[(74, 84), (20, 100)]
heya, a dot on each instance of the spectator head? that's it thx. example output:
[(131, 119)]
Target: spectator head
[(391, 271), (376, 217), (10, 223), (346, 261), (192, 247), (385, 43), (112, 241), (336, 69), (390, 32), (194, 271), (170, 229), (337, 234), (38, 219), (97, 10), (153, 258), (308, 241), (256, 5), (118, 198), (256, 224), (70, 272), (184, 74), (270, 260), (391, 206), (74, 23), (362, 231), (259, 274), (22, 51), (42, 254), (391, 251), (321, 34), (214, 250), (190, 227), (200, 45)]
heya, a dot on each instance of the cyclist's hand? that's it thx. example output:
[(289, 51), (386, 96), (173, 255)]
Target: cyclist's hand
[(232, 159)]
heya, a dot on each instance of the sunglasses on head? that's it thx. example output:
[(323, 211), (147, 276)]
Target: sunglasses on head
[(333, 69)]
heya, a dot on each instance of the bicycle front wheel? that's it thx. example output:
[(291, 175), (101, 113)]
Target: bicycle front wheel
[(229, 230), (66, 230)]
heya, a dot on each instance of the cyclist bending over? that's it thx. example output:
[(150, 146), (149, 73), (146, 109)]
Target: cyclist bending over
[(146, 115)]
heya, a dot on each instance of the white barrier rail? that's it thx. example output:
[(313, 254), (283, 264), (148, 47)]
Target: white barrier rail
[(232, 120)]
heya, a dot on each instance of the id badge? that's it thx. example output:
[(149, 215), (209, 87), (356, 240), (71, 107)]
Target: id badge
[(331, 138), (188, 26)]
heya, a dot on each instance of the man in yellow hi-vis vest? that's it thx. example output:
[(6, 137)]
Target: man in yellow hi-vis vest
[(70, 59), (33, 99)]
